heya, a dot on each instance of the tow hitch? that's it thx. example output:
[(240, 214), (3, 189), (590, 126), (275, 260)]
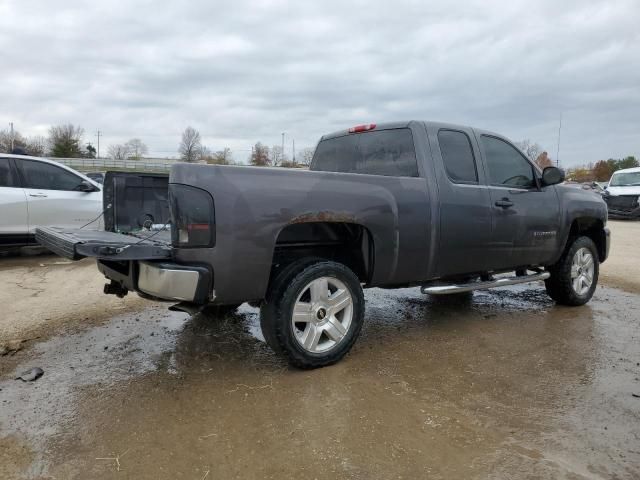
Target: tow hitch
[(114, 288)]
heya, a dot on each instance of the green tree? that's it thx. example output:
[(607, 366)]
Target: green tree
[(627, 162), (65, 140), (91, 151)]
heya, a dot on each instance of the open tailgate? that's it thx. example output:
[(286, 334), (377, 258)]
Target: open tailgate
[(76, 244)]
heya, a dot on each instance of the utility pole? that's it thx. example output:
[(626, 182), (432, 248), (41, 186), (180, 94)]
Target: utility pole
[(558, 151), (98, 134), (293, 149), (282, 152), (11, 123)]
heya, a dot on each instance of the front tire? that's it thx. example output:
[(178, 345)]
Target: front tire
[(314, 313), (575, 276)]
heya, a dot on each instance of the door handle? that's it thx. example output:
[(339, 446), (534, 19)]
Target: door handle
[(504, 203), (37, 195)]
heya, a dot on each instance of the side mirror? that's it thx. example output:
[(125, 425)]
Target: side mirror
[(552, 176), (87, 187)]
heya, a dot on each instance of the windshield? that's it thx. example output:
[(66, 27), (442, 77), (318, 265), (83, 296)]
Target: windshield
[(625, 179)]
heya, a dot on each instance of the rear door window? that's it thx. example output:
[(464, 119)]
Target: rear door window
[(457, 155), (6, 174), (384, 152), (44, 176), (507, 167)]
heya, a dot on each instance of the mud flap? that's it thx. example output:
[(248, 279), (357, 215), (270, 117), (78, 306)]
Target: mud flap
[(76, 244)]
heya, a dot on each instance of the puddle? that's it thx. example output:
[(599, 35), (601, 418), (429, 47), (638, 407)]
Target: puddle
[(127, 346), (488, 385)]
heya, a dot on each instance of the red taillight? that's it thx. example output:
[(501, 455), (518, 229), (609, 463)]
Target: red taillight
[(362, 128), (197, 226), (192, 216)]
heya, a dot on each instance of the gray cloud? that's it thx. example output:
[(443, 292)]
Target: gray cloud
[(247, 71)]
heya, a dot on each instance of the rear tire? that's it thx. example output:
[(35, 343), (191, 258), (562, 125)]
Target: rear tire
[(328, 303), (575, 276)]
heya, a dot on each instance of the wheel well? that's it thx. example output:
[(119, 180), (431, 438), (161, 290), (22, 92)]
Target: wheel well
[(347, 243), (592, 228)]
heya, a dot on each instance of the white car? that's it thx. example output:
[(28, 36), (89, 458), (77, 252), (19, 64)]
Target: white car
[(622, 194), (37, 192)]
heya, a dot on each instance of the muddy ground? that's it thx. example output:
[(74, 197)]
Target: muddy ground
[(501, 384)]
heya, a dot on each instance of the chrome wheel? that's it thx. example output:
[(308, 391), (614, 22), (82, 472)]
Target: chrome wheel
[(582, 271), (322, 314)]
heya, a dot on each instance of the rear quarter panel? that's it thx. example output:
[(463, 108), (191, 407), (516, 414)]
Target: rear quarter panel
[(254, 204)]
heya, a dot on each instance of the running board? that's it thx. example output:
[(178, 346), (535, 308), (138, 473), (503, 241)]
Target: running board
[(469, 287)]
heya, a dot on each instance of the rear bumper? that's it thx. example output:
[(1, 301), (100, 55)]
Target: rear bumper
[(161, 280), (166, 281)]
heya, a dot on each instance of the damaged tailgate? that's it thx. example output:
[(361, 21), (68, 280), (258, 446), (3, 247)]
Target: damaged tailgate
[(76, 244)]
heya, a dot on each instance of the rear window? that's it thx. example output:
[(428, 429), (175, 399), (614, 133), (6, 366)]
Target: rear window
[(457, 155), (385, 152)]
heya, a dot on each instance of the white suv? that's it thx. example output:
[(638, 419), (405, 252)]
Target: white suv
[(37, 192)]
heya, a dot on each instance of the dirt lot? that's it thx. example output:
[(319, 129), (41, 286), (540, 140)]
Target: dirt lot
[(503, 385)]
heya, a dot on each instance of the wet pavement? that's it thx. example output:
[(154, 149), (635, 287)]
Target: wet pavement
[(501, 384)]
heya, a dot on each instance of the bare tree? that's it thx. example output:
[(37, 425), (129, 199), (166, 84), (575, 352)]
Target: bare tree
[(531, 150), (306, 155), (205, 152), (118, 151), (65, 140), (5, 141), (36, 146), (221, 157), (277, 156), (260, 155), (190, 146), (137, 149)]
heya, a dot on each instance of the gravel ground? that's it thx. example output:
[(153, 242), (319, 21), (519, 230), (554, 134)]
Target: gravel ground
[(503, 384)]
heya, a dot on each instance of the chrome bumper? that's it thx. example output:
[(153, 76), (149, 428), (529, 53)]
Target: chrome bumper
[(168, 282)]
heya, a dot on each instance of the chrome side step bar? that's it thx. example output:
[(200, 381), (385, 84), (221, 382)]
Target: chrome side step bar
[(499, 282)]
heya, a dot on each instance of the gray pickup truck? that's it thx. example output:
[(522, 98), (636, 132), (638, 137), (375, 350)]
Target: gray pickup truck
[(443, 207)]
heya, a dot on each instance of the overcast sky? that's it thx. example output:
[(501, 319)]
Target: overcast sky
[(245, 71)]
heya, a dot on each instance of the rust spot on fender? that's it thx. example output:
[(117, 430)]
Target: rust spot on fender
[(324, 217)]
